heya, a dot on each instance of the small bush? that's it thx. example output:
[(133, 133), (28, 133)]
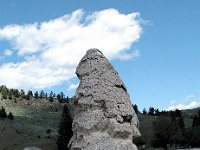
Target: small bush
[(48, 132), (10, 116), (15, 100), (3, 112)]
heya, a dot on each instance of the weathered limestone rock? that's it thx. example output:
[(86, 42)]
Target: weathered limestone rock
[(104, 118)]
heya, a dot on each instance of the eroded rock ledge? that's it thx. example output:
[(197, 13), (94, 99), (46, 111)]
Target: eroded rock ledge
[(104, 118)]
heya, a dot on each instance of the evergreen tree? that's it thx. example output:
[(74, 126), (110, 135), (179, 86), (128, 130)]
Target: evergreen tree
[(144, 111), (157, 112), (181, 122), (58, 96), (16, 93), (1, 87), (51, 99), (151, 111), (62, 96), (3, 112), (54, 95), (4, 92), (135, 107), (196, 121), (178, 113), (179, 136), (165, 129), (194, 132), (67, 99), (46, 96), (22, 94), (164, 113), (29, 95), (10, 116), (36, 95), (42, 94), (51, 94), (195, 141), (10, 95), (64, 130)]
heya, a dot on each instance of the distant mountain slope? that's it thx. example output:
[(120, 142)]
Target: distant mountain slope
[(146, 127), (190, 112)]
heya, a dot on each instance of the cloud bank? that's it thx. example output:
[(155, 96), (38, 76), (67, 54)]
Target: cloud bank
[(50, 51), (192, 103)]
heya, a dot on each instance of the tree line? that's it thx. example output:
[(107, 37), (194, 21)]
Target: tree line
[(15, 93), (152, 111)]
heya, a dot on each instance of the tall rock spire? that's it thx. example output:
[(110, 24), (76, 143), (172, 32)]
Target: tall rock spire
[(104, 117)]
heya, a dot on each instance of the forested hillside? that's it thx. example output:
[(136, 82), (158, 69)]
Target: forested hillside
[(33, 119), (169, 129)]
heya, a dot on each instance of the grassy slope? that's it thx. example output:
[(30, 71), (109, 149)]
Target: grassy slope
[(32, 119)]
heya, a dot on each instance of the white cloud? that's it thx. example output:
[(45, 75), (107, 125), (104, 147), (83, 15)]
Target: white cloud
[(73, 86), (8, 52), (51, 50), (172, 102), (129, 56), (190, 97), (194, 103)]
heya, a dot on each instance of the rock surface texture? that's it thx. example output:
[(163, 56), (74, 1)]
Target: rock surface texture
[(104, 118)]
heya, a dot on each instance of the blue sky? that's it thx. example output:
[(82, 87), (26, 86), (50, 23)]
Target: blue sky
[(158, 59)]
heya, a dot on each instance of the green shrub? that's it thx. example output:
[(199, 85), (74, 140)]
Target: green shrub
[(10, 116)]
